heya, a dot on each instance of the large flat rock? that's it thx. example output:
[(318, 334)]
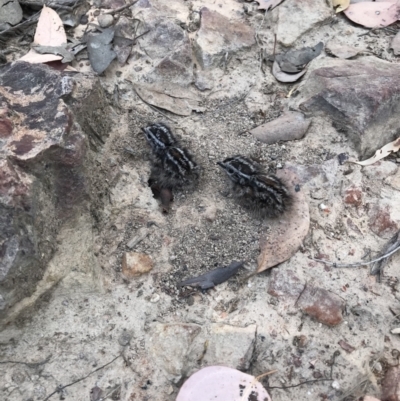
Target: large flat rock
[(361, 97), (218, 36), (43, 159), (297, 17)]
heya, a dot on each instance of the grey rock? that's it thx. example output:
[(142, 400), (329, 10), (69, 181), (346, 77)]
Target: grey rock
[(10, 12), (164, 37), (218, 36), (177, 67), (43, 168), (359, 96), (230, 346), (203, 81), (169, 346), (105, 20), (100, 50), (125, 338)]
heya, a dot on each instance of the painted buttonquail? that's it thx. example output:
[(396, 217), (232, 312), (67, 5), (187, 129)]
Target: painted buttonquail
[(264, 194), (173, 166)]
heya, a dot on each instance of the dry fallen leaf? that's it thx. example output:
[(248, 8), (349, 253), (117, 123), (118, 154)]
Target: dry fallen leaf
[(268, 4), (340, 5), (221, 383), (380, 154), (286, 233), (170, 97), (49, 32), (283, 76), (373, 14)]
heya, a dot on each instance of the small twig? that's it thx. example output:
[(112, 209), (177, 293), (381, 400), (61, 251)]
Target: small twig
[(61, 388), (266, 374), (29, 364), (334, 264), (335, 354), (274, 46), (122, 8)]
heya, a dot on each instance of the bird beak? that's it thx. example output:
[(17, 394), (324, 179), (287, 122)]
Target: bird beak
[(221, 164)]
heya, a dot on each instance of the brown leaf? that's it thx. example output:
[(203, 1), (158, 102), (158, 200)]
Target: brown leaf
[(373, 14), (287, 232), (380, 154), (170, 97), (268, 4)]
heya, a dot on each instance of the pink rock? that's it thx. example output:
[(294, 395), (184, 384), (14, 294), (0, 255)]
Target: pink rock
[(353, 196), (360, 96), (381, 223), (285, 283), (325, 306)]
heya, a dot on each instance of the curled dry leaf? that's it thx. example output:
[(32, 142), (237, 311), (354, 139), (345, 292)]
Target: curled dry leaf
[(220, 383), (380, 154), (287, 232), (283, 76), (340, 5), (49, 32), (268, 4), (373, 14)]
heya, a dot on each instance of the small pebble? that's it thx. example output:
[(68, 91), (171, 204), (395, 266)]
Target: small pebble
[(336, 385), (105, 20), (155, 298)]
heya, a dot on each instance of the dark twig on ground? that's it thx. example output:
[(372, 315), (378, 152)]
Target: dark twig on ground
[(61, 388), (334, 356), (29, 364), (392, 245), (358, 264)]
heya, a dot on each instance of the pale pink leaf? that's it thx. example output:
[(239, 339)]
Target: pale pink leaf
[(380, 154), (373, 14), (220, 383), (50, 29), (49, 32)]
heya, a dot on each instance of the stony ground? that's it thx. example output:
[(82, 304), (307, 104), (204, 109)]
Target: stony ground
[(156, 334)]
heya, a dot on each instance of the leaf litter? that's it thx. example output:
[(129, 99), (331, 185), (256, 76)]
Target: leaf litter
[(286, 234), (385, 151)]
